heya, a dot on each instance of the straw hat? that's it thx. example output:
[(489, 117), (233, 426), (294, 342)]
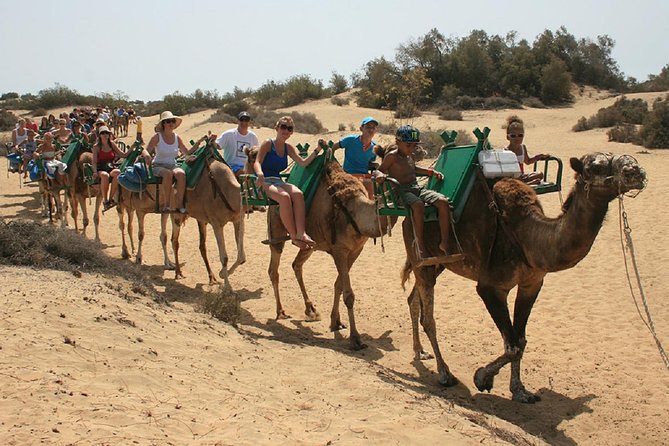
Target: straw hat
[(104, 128), (168, 115)]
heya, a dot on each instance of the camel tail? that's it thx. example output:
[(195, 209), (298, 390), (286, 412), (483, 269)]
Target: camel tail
[(405, 272)]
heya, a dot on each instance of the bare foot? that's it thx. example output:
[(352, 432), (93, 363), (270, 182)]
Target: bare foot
[(301, 244), (443, 248)]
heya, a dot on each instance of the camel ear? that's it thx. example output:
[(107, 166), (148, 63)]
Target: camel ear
[(576, 164)]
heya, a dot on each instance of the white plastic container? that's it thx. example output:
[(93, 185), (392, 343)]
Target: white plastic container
[(499, 163)]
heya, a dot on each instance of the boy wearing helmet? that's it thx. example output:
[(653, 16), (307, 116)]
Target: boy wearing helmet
[(399, 165)]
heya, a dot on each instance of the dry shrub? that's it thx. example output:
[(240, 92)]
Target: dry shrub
[(224, 306), (27, 243)]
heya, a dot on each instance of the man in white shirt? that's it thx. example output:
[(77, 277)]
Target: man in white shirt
[(234, 141)]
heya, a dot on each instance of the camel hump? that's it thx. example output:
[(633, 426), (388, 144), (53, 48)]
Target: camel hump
[(515, 199)]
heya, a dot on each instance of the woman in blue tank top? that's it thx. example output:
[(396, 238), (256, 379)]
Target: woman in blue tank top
[(272, 159)]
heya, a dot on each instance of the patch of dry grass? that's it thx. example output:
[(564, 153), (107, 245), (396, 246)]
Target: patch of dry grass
[(27, 243)]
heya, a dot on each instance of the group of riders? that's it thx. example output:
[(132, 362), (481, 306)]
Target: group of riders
[(92, 127)]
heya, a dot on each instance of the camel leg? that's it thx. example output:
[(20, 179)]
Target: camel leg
[(414, 310), (121, 226), (169, 266), (335, 318), (300, 259), (496, 302), (239, 240), (222, 254), (273, 272), (343, 264), (176, 232), (426, 293), (202, 230), (81, 202), (96, 216), (140, 236), (74, 212), (525, 299)]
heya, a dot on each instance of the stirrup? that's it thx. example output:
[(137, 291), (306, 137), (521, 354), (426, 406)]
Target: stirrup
[(274, 241), (439, 260)]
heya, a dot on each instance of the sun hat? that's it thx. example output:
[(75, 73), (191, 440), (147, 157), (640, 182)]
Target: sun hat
[(408, 133), (243, 114), (367, 120), (104, 128), (99, 121), (168, 115)]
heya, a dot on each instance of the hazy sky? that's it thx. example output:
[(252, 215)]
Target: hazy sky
[(147, 49)]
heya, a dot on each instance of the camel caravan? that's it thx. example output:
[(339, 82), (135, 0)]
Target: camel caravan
[(474, 211)]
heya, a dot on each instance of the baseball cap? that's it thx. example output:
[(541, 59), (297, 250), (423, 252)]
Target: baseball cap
[(367, 120), (243, 115)]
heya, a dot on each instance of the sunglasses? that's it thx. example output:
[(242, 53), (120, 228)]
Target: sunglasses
[(245, 119), (170, 121), (516, 135), (290, 128), (105, 133)]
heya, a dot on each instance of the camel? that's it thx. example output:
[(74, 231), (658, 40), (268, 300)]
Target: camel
[(215, 200), (516, 247), (141, 203), (80, 191), (340, 220)]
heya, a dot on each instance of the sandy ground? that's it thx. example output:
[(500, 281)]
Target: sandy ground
[(88, 361)]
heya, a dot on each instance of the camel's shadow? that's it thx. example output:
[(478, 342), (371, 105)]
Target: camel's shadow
[(541, 419)]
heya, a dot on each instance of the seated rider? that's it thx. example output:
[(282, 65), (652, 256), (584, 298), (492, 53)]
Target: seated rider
[(515, 133), (399, 165), (359, 152), (52, 166)]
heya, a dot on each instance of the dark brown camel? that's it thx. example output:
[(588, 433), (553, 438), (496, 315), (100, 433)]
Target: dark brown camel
[(340, 220), (517, 249)]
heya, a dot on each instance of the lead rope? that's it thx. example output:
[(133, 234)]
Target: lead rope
[(378, 221), (627, 243)]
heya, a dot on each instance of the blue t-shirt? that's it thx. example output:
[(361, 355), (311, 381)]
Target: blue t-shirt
[(356, 159)]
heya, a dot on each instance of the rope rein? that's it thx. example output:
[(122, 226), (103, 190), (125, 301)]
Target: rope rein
[(628, 245)]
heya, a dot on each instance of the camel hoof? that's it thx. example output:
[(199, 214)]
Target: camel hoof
[(338, 326), (483, 380), (357, 345), (282, 315), (312, 314), (178, 276), (423, 356), (125, 255), (523, 396), (169, 266), (212, 280), (448, 380)]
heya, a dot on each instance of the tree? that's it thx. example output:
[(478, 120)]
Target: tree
[(338, 83), (555, 82)]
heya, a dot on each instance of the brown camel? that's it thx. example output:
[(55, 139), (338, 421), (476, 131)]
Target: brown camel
[(79, 191), (141, 203), (516, 248), (215, 200), (340, 220)]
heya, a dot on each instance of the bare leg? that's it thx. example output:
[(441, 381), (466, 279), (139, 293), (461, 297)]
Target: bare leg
[(444, 223), (180, 176)]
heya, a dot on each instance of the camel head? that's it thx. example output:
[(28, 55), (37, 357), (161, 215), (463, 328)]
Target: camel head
[(606, 172), (251, 155)]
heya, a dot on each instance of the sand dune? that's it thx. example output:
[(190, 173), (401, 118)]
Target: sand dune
[(88, 361)]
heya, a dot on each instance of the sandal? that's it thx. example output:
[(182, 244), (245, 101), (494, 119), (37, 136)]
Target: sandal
[(182, 210)]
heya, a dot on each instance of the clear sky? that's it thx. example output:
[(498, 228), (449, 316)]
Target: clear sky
[(149, 48)]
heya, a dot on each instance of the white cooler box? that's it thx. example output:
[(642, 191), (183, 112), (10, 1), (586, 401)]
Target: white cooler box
[(499, 163)]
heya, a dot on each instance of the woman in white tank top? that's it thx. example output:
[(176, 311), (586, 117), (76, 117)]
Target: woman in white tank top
[(166, 144)]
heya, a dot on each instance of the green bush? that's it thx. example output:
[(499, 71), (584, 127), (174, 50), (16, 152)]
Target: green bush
[(655, 130), (625, 133)]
